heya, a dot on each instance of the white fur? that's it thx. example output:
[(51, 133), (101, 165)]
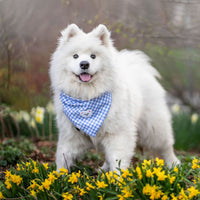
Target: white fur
[(138, 112)]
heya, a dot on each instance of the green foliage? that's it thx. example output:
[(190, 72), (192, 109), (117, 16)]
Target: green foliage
[(178, 67), (10, 155), (186, 128), (148, 180), (12, 151), (40, 122)]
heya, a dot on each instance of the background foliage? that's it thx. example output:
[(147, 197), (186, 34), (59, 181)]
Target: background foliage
[(167, 30)]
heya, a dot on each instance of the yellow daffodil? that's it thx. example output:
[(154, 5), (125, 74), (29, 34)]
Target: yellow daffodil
[(139, 172), (121, 197), (77, 188), (46, 184), (67, 196), (157, 170), (35, 170), (7, 174), (8, 184), (16, 179), (195, 163), (101, 184), (82, 191), (112, 176), (78, 174), (28, 164), (182, 195), (63, 171), (164, 197), (41, 188), (100, 197), (160, 162), (149, 173), (33, 185), (121, 182), (156, 195), (146, 189), (176, 169), (19, 167), (172, 179), (193, 192), (161, 176), (146, 163), (125, 173), (46, 165), (152, 191), (33, 193), (194, 181), (73, 178), (51, 177), (89, 186), (1, 196), (173, 197), (127, 192)]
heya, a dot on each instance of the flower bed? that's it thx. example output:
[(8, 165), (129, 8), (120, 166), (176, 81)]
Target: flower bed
[(147, 180)]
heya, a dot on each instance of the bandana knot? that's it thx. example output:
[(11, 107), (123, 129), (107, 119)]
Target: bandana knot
[(88, 115)]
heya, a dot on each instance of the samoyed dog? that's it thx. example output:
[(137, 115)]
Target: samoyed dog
[(107, 99)]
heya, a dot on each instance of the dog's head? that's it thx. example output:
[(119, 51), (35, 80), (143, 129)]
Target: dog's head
[(82, 63)]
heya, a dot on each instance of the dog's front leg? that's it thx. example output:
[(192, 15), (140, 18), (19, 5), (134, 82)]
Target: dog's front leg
[(65, 153), (119, 149), (70, 146)]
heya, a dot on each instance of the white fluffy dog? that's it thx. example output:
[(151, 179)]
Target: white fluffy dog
[(84, 67)]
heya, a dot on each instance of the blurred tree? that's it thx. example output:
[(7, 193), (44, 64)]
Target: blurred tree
[(6, 45)]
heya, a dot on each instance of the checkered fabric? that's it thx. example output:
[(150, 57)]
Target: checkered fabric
[(89, 115)]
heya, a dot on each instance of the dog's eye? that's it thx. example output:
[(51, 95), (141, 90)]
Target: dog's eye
[(93, 56), (75, 56)]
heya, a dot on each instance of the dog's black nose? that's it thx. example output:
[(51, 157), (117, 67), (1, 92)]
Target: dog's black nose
[(84, 64)]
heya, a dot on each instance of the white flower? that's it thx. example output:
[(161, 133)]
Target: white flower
[(16, 116), (39, 114), (21, 115), (194, 118), (25, 116), (176, 108), (32, 123), (50, 108)]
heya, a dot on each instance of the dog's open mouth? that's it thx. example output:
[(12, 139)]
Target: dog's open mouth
[(85, 77)]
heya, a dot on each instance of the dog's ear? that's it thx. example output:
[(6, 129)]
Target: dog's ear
[(103, 34), (71, 31)]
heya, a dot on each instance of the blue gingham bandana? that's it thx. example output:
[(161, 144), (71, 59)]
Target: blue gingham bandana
[(89, 115)]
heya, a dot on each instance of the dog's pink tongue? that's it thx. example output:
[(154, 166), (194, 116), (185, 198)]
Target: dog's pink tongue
[(85, 77)]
